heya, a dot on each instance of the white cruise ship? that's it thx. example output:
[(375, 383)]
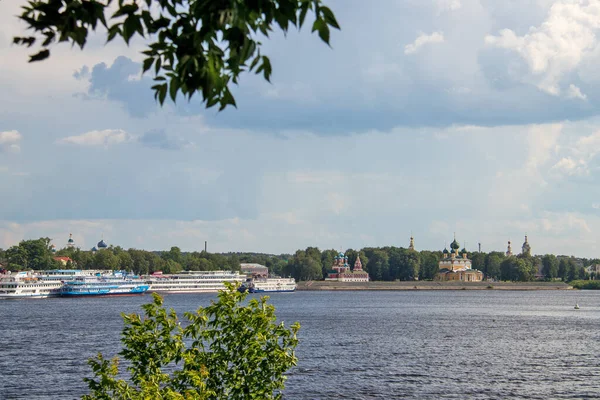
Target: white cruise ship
[(69, 274), (114, 284), (23, 285), (266, 285), (192, 281)]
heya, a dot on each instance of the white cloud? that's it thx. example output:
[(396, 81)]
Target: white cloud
[(542, 140), (9, 141), (447, 5), (575, 93), (297, 91), (105, 138), (576, 156), (422, 40), (560, 223), (337, 202), (570, 166), (556, 47)]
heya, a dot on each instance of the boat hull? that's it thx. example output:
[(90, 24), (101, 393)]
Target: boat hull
[(82, 291), (101, 294), (271, 291), (27, 296), (175, 291)]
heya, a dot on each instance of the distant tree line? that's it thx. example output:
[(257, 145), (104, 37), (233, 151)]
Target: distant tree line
[(396, 263), (38, 255), (382, 263)]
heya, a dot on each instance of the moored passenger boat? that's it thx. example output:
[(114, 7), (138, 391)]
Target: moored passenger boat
[(192, 281), (24, 285), (115, 284), (266, 285), (68, 274)]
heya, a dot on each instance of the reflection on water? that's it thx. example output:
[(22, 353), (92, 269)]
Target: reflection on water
[(353, 345)]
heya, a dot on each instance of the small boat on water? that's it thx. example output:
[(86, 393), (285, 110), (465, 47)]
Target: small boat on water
[(24, 285), (577, 306), (269, 285)]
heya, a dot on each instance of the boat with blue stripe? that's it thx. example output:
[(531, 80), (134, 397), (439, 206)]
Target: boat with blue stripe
[(115, 284)]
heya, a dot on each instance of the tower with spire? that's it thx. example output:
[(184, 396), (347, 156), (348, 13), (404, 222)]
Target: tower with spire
[(70, 242), (526, 249), (411, 246), (357, 264), (509, 250)]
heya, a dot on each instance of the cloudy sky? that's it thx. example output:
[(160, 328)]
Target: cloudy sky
[(479, 117)]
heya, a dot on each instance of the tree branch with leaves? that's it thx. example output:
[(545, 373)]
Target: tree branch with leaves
[(225, 351), (195, 46)]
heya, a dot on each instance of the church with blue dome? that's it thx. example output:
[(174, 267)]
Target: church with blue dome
[(341, 271), (101, 245)]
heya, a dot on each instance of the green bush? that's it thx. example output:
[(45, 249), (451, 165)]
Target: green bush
[(227, 351), (581, 284)]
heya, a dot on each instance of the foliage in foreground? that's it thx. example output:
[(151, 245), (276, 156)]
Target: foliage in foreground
[(227, 351), (195, 45)]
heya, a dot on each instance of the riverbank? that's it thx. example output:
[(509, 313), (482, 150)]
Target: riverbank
[(432, 285)]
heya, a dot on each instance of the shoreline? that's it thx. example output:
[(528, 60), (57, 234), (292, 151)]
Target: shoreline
[(430, 285)]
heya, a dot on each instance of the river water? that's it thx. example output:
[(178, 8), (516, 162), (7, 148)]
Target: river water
[(353, 345)]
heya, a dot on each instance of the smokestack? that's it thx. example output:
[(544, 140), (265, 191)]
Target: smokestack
[(205, 247), (480, 247)]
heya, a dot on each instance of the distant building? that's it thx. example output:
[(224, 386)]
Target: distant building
[(63, 260), (509, 250), (593, 269), (70, 242), (254, 269), (526, 250), (455, 266), (411, 246), (341, 272), (100, 246)]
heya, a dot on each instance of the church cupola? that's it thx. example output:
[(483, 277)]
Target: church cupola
[(70, 242), (411, 246), (454, 246), (509, 250)]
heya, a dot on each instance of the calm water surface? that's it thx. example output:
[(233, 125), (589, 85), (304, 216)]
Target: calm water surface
[(353, 345)]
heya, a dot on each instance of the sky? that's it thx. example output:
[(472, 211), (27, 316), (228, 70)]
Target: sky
[(478, 118)]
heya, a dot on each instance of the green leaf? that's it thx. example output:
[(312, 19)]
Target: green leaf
[(254, 62), (160, 91), (329, 17), (131, 25), (127, 9), (227, 100), (174, 88), (42, 55), (323, 30), (158, 65), (303, 10), (49, 38), (267, 68), (112, 32), (147, 64)]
